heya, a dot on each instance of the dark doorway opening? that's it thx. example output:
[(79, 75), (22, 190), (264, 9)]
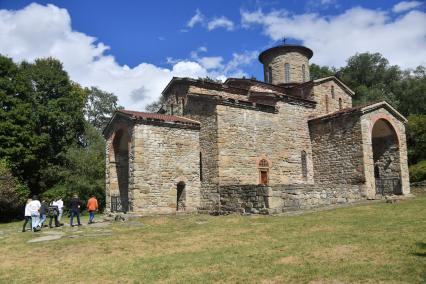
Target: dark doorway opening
[(180, 196), (120, 201), (387, 167)]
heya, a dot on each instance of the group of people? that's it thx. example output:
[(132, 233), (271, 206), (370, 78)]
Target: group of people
[(36, 212)]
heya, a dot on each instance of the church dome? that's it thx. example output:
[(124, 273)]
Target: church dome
[(286, 64)]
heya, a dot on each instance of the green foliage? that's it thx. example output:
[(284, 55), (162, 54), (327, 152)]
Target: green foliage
[(372, 78), (156, 105), (85, 170), (13, 194), (99, 107), (317, 72), (418, 171), (42, 118), (412, 98), (211, 80), (416, 138)]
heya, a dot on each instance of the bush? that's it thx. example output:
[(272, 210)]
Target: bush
[(418, 171), (13, 194)]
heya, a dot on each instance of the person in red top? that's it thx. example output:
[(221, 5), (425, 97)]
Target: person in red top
[(92, 206)]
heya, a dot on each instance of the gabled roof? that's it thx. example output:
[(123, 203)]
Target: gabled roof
[(151, 117), (365, 108), (335, 79)]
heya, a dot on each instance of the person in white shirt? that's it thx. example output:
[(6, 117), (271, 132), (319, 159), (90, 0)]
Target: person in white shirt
[(58, 202), (34, 208), (27, 215)]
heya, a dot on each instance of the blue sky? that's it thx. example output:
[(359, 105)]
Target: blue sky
[(133, 48)]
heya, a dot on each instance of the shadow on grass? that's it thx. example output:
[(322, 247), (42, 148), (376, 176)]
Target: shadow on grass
[(421, 249)]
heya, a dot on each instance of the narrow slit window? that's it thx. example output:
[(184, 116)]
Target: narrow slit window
[(332, 92), (287, 72), (304, 165), (270, 75), (201, 167), (326, 103), (303, 73), (340, 103)]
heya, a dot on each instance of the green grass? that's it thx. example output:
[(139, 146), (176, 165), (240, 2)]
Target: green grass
[(373, 243)]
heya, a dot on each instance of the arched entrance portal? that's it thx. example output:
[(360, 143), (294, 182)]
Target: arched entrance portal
[(121, 141), (180, 196), (387, 167)]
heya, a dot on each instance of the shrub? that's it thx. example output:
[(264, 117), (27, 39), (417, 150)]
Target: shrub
[(418, 171), (13, 194)]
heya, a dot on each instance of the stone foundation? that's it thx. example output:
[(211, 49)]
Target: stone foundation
[(281, 198)]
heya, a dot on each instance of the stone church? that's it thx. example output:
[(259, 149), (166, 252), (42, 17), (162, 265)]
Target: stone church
[(249, 146)]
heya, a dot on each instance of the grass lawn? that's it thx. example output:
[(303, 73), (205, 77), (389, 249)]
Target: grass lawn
[(374, 243)]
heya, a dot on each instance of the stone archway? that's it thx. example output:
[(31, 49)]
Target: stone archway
[(386, 157), (120, 143)]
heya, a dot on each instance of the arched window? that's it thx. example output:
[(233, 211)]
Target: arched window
[(270, 75), (263, 172), (332, 92), (287, 72), (171, 109), (340, 103), (304, 165), (303, 73)]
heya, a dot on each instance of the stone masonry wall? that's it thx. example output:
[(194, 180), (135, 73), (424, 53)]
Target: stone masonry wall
[(322, 95), (163, 157), (367, 122), (277, 62), (204, 111), (281, 198), (337, 150), (246, 136)]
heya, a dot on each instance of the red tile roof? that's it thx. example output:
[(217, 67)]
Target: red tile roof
[(158, 116)]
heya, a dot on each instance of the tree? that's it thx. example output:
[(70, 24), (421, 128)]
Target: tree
[(416, 138), (156, 105), (13, 194), (84, 169), (42, 116), (412, 99), (372, 78), (16, 124), (99, 107), (318, 72)]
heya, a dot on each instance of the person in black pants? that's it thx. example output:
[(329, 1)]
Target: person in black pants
[(75, 209), (53, 213)]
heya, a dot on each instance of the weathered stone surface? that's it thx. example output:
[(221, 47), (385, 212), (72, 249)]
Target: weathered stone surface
[(302, 141)]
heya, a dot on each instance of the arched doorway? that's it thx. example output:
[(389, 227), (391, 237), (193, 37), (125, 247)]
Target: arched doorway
[(387, 167), (180, 196), (120, 143)]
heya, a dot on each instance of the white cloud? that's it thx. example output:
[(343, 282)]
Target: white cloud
[(406, 5), (220, 22), (41, 31), (215, 23), (333, 39), (198, 18)]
